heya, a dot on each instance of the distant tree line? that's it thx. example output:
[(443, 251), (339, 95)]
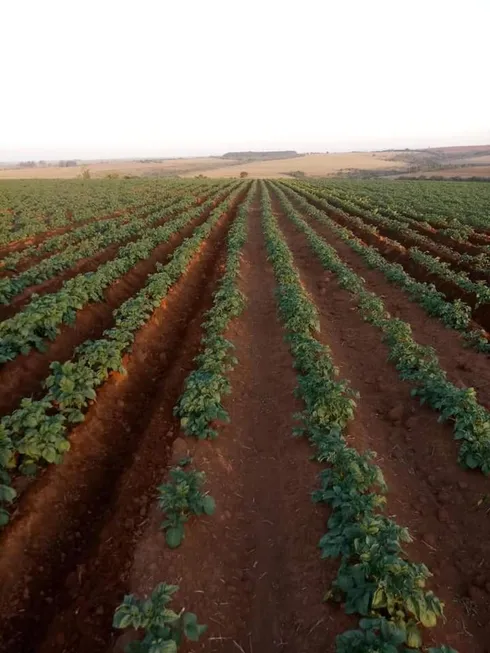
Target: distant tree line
[(279, 154)]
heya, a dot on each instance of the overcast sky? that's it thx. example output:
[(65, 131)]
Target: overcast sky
[(101, 78)]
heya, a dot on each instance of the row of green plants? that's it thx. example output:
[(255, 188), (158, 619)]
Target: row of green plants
[(103, 235), (476, 293), (453, 314), (31, 207), (452, 228), (98, 226), (415, 363), (163, 630), (37, 432), (375, 580), (200, 405), (112, 232), (44, 316), (445, 205), (480, 262)]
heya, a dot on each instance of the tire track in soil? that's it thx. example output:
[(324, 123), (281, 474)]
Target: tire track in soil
[(465, 366), (252, 572), (427, 491), (405, 239), (23, 376), (66, 552), (84, 265), (481, 315)]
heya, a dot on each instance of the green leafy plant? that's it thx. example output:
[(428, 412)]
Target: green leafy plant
[(164, 630), (37, 431), (181, 498), (200, 405), (414, 362), (375, 579)]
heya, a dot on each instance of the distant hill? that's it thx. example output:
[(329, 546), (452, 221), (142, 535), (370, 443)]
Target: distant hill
[(260, 156)]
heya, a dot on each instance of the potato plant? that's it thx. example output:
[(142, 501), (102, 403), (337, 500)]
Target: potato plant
[(164, 630), (415, 363), (37, 431), (181, 498), (375, 579)]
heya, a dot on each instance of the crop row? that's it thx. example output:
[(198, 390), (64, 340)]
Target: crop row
[(114, 232), (457, 208), (199, 407), (453, 314), (480, 262), (450, 228), (474, 293), (98, 227), (374, 580), (200, 404), (37, 206), (43, 316), (457, 236), (37, 431), (415, 363)]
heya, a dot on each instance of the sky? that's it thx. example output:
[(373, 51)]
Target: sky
[(118, 78)]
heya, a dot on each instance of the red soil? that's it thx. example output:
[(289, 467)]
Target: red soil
[(17, 245), (23, 376), (88, 531), (51, 558), (428, 491), (409, 241), (89, 264), (257, 560)]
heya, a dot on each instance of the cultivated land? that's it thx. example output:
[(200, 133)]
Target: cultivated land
[(311, 165), (152, 330), (134, 168), (314, 164)]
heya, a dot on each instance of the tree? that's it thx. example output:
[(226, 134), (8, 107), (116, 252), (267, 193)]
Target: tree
[(243, 174)]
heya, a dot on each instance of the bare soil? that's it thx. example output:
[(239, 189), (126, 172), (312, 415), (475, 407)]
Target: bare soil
[(23, 376), (428, 491), (87, 532), (50, 565)]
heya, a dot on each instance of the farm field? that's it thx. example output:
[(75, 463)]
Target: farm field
[(273, 394), (309, 165), (102, 169)]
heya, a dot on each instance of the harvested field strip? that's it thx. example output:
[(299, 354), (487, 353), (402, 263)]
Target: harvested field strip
[(415, 363), (23, 376), (428, 492), (455, 315), (115, 470)]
